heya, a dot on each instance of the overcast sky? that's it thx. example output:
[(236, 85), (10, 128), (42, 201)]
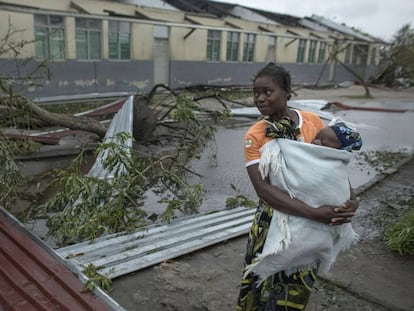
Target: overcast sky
[(380, 18)]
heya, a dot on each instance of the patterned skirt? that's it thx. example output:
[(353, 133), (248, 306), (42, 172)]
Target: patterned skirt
[(279, 291)]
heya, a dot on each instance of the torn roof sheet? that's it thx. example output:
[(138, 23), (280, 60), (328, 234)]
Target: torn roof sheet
[(218, 9), (34, 277), (341, 28), (282, 19)]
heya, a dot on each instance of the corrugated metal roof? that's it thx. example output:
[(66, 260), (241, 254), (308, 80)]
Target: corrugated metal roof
[(34, 277), (282, 19), (120, 254), (219, 9), (340, 28), (251, 15), (159, 4)]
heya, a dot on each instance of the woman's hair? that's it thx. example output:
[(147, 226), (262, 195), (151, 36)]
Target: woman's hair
[(278, 74)]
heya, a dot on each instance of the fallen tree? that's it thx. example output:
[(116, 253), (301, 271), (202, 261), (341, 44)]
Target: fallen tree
[(115, 205)]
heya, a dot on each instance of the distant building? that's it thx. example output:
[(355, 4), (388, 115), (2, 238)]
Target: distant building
[(124, 46)]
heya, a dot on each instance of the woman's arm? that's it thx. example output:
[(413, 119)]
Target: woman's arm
[(281, 201)]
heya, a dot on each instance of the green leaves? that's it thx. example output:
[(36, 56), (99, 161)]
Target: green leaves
[(399, 236), (10, 175), (96, 279), (398, 58), (239, 200)]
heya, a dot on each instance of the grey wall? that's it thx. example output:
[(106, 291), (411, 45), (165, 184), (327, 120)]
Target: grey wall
[(184, 73), (190, 73), (69, 78)]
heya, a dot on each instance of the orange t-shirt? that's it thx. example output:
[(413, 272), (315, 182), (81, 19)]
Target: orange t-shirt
[(309, 124)]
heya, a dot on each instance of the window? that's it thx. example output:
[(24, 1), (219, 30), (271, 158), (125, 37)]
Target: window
[(49, 37), (213, 45), (312, 51), (347, 59), (301, 51), (356, 55), (233, 39), (88, 38), (373, 56), (271, 49), (322, 51), (248, 47), (119, 40)]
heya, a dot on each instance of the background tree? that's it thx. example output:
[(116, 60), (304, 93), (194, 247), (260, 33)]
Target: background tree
[(397, 61)]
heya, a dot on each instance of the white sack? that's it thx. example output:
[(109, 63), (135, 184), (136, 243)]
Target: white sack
[(316, 175)]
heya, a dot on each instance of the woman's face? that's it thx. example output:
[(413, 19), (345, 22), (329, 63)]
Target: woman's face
[(269, 97)]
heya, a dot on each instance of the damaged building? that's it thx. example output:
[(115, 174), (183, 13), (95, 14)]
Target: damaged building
[(93, 46)]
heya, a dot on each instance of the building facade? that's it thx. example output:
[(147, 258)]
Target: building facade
[(95, 46)]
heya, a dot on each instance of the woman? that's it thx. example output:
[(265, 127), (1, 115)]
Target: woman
[(271, 91)]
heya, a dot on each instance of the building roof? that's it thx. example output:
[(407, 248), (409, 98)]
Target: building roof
[(219, 9), (283, 19), (342, 28), (34, 277), (158, 4)]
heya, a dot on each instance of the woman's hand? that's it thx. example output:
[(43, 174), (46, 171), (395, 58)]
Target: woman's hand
[(335, 215), (343, 212)]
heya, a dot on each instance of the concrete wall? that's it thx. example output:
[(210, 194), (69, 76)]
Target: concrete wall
[(87, 77), (184, 73), (194, 47), (141, 42), (193, 73), (19, 28)]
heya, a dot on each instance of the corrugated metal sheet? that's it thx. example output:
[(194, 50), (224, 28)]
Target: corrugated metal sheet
[(121, 122), (34, 277), (120, 254), (105, 109)]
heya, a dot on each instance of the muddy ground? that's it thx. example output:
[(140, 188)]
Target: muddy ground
[(368, 277)]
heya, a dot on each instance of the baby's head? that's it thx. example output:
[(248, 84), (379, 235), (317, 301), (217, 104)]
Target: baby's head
[(339, 136)]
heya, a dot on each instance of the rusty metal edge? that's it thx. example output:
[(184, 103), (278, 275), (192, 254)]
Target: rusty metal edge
[(82, 278)]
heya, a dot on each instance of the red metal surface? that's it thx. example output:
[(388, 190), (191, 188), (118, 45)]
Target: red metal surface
[(44, 139), (32, 279), (378, 109), (104, 110)]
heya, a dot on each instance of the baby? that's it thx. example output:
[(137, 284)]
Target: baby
[(338, 136)]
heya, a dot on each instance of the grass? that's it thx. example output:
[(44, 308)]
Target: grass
[(399, 236)]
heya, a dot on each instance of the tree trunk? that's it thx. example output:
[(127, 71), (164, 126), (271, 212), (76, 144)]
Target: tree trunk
[(74, 123), (362, 81), (144, 119)]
